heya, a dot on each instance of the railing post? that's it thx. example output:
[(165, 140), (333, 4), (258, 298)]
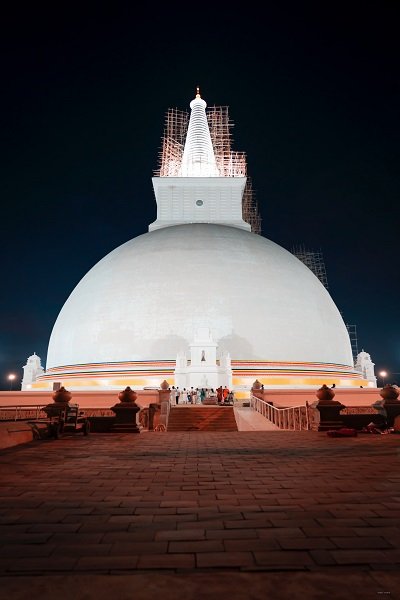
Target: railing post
[(307, 417), (329, 409)]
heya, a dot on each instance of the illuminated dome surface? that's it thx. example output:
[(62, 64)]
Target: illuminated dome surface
[(146, 299)]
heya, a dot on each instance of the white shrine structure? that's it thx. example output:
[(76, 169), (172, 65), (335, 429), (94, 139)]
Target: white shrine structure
[(199, 300), (203, 369), (365, 367), (32, 371)]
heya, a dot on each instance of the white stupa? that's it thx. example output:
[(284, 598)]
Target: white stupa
[(199, 269)]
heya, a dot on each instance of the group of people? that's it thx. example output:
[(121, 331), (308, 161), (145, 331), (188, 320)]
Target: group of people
[(199, 395)]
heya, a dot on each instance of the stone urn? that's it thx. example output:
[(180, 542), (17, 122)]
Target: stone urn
[(389, 392), (256, 385), (329, 409), (127, 396), (390, 404), (164, 398), (62, 395), (325, 393), (61, 399)]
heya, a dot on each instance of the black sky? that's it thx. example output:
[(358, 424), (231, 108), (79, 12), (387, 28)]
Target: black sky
[(314, 94)]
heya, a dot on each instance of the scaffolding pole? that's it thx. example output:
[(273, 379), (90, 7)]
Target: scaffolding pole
[(313, 260)]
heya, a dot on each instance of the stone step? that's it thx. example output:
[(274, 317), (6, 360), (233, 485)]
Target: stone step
[(125, 428), (202, 418)]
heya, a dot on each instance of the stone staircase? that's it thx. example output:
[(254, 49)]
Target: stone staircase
[(202, 418)]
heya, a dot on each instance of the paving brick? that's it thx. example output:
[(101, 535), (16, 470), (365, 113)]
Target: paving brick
[(41, 564), (358, 557), (105, 563), (214, 524), (322, 558), (330, 531), (361, 542), (224, 559), (76, 538), (231, 534), (82, 550), (120, 548), (196, 546), (258, 523), (129, 519), (345, 522), (26, 550), (24, 538), (134, 535), (173, 518), (301, 522), (278, 532), (54, 527), (181, 534), (166, 561), (306, 543), (274, 558), (250, 545)]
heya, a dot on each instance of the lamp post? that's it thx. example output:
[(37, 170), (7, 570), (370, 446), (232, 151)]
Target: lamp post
[(11, 378), (383, 374)]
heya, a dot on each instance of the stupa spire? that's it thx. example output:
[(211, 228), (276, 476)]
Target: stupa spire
[(198, 158)]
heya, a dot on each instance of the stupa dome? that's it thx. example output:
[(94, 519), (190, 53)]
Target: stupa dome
[(145, 300)]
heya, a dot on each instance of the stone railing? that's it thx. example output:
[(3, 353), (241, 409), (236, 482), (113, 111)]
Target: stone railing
[(35, 412), (294, 418), (15, 412)]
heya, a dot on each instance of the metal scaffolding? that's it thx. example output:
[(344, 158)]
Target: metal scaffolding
[(250, 208), (229, 163), (313, 260), (173, 142), (352, 330)]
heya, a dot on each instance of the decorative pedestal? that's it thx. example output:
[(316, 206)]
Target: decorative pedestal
[(154, 415), (257, 390), (329, 409), (389, 406), (125, 412)]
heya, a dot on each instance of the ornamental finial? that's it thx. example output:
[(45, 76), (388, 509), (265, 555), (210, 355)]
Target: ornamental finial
[(198, 92)]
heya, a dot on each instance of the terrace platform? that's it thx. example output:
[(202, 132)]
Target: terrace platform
[(257, 514)]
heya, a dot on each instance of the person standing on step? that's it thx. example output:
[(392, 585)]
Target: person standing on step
[(219, 394), (195, 396), (202, 395), (172, 395)]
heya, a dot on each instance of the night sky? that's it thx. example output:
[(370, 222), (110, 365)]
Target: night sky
[(315, 100)]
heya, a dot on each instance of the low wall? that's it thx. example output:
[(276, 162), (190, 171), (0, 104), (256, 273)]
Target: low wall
[(298, 397), (85, 399), (12, 434)]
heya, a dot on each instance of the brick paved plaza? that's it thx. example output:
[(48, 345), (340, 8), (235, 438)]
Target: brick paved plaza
[(200, 515)]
